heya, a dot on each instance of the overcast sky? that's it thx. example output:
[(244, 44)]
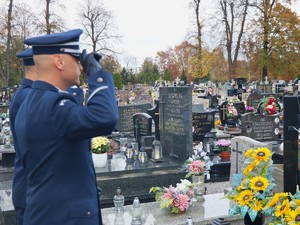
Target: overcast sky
[(147, 26)]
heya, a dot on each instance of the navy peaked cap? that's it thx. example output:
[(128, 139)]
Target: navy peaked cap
[(58, 43), (26, 56)]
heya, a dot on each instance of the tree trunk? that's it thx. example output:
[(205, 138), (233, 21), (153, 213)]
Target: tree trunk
[(47, 17), (8, 43)]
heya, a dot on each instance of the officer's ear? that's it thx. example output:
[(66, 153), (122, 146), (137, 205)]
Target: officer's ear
[(58, 61)]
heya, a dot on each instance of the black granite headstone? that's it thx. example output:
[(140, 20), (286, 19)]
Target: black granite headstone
[(202, 124), (154, 113), (142, 123), (260, 127), (254, 98), (240, 107), (209, 97), (240, 82), (126, 112), (214, 102), (291, 159), (175, 121)]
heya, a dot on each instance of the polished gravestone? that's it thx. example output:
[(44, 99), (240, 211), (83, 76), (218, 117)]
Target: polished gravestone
[(142, 123), (202, 124), (175, 120), (260, 127), (125, 122), (291, 160), (154, 113)]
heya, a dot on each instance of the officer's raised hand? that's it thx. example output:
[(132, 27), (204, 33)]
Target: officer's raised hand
[(90, 62)]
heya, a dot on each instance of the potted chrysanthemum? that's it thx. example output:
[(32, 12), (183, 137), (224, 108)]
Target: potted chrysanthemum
[(100, 147), (224, 147), (251, 189)]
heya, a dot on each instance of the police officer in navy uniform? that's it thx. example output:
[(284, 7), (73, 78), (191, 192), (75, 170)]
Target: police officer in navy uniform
[(19, 176), (54, 132)]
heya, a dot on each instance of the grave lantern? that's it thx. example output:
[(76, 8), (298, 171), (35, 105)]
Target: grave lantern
[(156, 155), (209, 140)]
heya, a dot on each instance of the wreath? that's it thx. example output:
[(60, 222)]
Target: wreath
[(268, 106)]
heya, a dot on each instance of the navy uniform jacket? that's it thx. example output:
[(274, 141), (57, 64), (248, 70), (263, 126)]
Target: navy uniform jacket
[(54, 133), (77, 93), (19, 178)]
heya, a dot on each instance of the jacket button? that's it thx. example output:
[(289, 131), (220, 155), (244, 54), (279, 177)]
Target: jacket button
[(100, 80), (74, 94), (88, 213)]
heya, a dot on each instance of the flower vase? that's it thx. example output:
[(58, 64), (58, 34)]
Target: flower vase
[(259, 220), (225, 155), (99, 159), (199, 188)]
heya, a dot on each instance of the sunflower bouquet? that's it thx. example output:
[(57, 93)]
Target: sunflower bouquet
[(251, 189), (284, 208)]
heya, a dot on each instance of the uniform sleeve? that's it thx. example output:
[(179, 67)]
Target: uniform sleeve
[(98, 117)]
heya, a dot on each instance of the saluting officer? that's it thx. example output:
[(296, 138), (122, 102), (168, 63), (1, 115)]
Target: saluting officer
[(19, 175), (54, 132)]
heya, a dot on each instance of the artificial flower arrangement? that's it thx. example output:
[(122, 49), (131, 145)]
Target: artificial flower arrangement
[(198, 164), (177, 198), (251, 189), (223, 144), (284, 208), (231, 110), (100, 145), (269, 106)]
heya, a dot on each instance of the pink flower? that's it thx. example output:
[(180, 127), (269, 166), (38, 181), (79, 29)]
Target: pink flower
[(249, 108), (223, 142), (182, 202), (197, 167)]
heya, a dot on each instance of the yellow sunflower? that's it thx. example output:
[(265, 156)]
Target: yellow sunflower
[(259, 183), (293, 217), (276, 198), (262, 154), (297, 201), (249, 168), (248, 153), (282, 209), (244, 197), (256, 205)]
